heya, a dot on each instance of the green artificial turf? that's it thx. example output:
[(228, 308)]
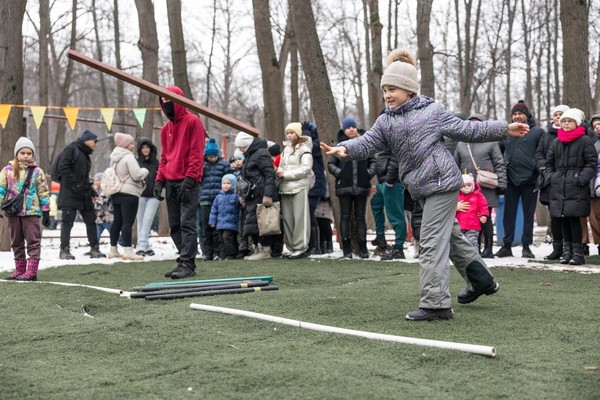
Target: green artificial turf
[(545, 326)]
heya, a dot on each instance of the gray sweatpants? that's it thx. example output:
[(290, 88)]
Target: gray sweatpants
[(296, 220), (441, 239)]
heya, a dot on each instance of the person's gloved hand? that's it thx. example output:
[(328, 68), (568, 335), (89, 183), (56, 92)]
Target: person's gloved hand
[(500, 190), (157, 192), (185, 190), (46, 219), (267, 201)]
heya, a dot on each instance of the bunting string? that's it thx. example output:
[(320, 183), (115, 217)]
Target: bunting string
[(71, 113)]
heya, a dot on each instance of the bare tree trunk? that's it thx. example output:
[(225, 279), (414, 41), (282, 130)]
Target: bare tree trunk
[(576, 55), (425, 48), (508, 56), (117, 33), (209, 64), (272, 75), (148, 45), (555, 64), (42, 154), (527, 52), (597, 86), (11, 85), (317, 79), (178, 54), (294, 81), (99, 54), (375, 98)]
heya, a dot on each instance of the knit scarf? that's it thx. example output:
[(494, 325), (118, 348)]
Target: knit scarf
[(567, 137)]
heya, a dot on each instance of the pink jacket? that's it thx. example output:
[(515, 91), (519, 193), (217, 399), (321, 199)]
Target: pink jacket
[(469, 220)]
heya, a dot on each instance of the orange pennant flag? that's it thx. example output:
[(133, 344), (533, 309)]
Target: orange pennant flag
[(71, 114), (38, 113), (108, 114), (4, 113)]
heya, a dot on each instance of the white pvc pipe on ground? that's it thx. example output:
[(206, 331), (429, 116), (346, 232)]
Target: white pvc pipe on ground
[(469, 348), (119, 292)]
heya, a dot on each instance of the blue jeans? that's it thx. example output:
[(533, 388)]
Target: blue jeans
[(147, 207), (102, 227)]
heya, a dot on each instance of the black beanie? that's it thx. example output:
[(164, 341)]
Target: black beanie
[(274, 150), (521, 107)]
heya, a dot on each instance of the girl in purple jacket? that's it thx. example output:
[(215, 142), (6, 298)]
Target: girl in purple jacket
[(413, 127)]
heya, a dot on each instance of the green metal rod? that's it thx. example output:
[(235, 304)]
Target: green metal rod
[(173, 290), (267, 278), (190, 285)]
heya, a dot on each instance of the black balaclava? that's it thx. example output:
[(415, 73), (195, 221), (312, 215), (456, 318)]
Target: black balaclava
[(168, 108)]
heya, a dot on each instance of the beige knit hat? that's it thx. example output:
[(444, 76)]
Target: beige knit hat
[(401, 71)]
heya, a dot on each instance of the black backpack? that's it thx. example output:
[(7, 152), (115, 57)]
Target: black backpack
[(55, 170)]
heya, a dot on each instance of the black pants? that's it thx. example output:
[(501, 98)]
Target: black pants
[(125, 208), (182, 221), (360, 207), (325, 232), (68, 218), (571, 229), (229, 246), (528, 197), (209, 237)]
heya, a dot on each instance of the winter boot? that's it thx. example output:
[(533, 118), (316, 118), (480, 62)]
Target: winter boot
[(65, 254), (347, 248), (586, 249), (577, 257), (567, 253), (557, 250), (263, 253), (31, 273), (20, 268), (379, 241), (95, 252), (114, 252), (363, 252), (313, 243), (417, 248), (505, 251), (397, 253), (487, 247), (329, 247), (128, 254)]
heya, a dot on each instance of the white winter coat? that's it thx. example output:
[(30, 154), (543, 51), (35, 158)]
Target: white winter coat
[(296, 163), (129, 171)]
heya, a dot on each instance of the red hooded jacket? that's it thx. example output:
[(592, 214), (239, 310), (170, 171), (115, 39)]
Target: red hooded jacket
[(469, 220), (182, 143)]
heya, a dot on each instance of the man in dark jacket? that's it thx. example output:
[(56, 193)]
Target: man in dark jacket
[(183, 139), (76, 193), (522, 173)]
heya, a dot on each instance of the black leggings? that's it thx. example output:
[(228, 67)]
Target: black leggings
[(125, 210), (571, 229), (360, 208)]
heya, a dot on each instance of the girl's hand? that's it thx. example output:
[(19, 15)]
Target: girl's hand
[(280, 173), (517, 129), (339, 151), (483, 219), (462, 206)]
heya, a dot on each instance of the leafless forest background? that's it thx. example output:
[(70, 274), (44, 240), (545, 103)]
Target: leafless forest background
[(267, 63)]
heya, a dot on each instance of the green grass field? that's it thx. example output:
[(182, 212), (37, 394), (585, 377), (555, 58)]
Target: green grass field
[(545, 326)]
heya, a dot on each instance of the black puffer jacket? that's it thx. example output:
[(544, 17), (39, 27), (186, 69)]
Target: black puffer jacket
[(519, 155), (541, 154), (386, 167), (259, 171), (151, 164), (75, 186), (352, 178), (570, 168)]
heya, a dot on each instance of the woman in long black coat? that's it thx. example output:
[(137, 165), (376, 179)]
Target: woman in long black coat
[(259, 172)]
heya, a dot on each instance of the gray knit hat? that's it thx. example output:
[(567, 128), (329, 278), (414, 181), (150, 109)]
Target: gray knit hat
[(401, 71), (24, 142)]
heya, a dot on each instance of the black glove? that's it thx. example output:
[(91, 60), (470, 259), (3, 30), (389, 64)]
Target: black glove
[(185, 190), (500, 191), (157, 192), (46, 219)]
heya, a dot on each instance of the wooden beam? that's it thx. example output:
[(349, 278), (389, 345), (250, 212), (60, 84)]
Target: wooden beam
[(160, 91)]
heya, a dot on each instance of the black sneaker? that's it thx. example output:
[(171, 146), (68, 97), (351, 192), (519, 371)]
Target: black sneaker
[(182, 271), (429, 314), (95, 252), (397, 253), (504, 252), (150, 252), (527, 252), (140, 253), (466, 296), (169, 273), (379, 241)]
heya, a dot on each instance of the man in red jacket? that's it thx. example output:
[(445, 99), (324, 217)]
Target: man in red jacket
[(179, 172)]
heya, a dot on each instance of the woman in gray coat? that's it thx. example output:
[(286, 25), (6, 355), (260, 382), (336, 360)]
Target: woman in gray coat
[(488, 157)]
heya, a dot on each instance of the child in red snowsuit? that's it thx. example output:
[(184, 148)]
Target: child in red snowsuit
[(471, 210)]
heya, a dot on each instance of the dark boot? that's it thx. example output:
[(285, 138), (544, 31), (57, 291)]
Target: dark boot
[(65, 254), (313, 243), (379, 241), (20, 268), (31, 273), (527, 252), (566, 254), (323, 246), (277, 247), (488, 251), (557, 250), (363, 252), (347, 248), (577, 257), (329, 247), (95, 252), (397, 253), (586, 249), (505, 251)]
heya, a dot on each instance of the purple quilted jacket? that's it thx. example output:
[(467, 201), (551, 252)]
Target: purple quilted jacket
[(414, 133)]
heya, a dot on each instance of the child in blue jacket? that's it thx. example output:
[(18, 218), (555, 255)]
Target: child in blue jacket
[(224, 215)]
